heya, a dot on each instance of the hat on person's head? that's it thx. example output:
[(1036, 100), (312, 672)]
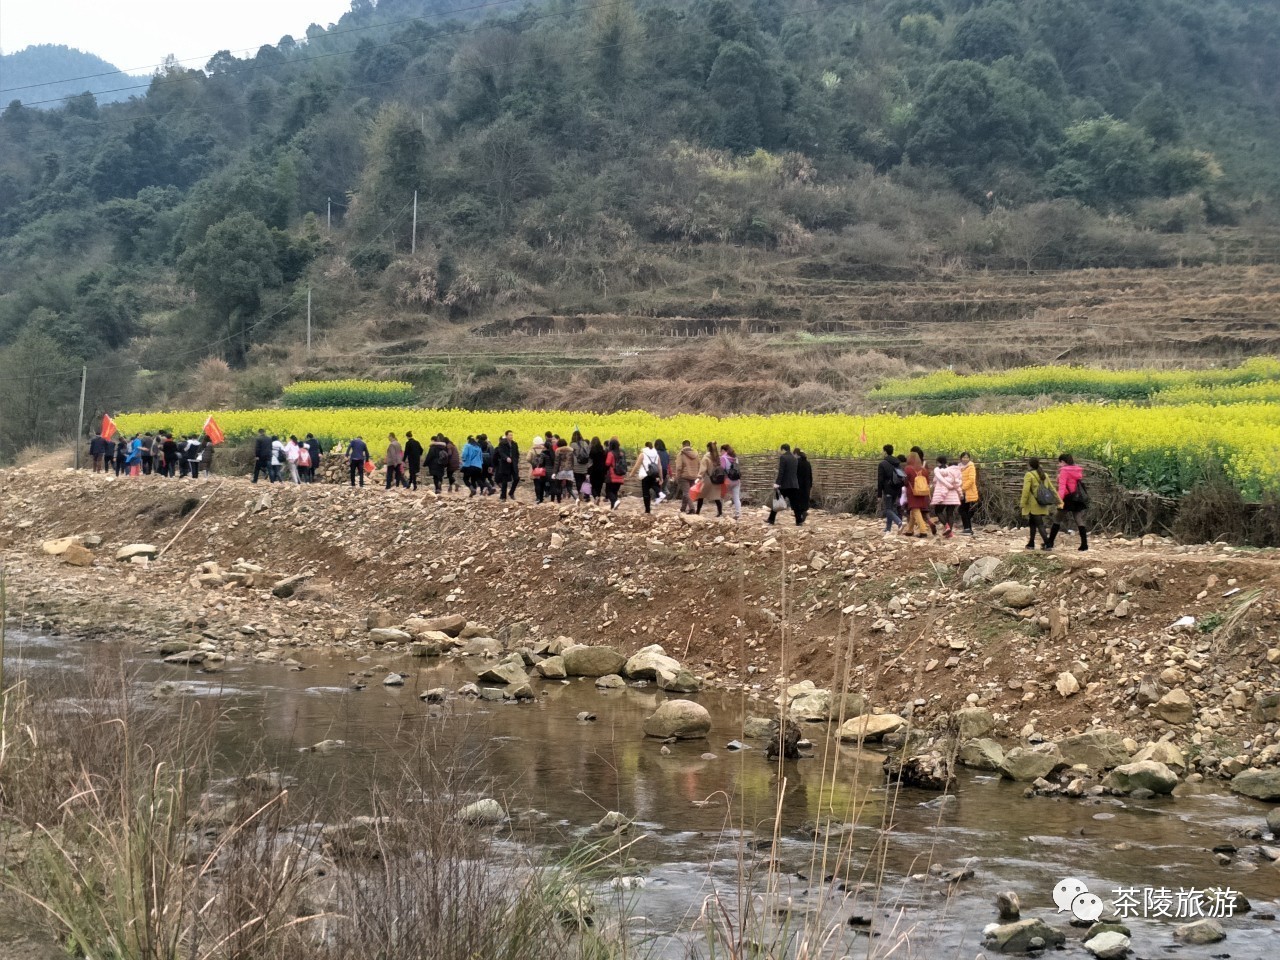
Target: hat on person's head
[(539, 441)]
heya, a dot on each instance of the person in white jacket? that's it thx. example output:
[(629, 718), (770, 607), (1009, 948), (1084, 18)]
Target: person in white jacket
[(291, 450), (649, 470)]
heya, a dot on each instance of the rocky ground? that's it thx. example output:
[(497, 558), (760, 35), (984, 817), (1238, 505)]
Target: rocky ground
[(1153, 652)]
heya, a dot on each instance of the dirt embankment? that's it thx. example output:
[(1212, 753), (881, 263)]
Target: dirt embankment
[(747, 607)]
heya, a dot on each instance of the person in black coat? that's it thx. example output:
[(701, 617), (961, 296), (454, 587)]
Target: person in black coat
[(97, 448), (889, 480), (437, 461), (261, 455), (506, 465), (804, 486), (313, 447), (788, 483), (412, 458)]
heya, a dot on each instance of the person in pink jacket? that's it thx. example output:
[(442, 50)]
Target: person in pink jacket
[(1075, 499), (946, 494)]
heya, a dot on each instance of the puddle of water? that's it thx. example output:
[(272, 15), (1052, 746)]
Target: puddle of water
[(704, 818)]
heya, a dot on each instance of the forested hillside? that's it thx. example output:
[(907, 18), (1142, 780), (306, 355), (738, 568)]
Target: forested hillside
[(575, 155), (50, 72)]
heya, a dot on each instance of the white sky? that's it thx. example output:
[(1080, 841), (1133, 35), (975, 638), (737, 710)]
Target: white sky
[(137, 34)]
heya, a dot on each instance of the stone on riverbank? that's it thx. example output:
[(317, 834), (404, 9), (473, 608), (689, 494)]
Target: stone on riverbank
[(645, 663), (1108, 945), (1096, 749), (682, 719), (581, 660), (981, 754), (551, 668), (1259, 784), (1174, 707), (871, 727), (1025, 764), (508, 671), (1142, 775), (1199, 932), (383, 635), (757, 728), (678, 681), (927, 771), (1022, 936), (610, 682), (77, 556), (974, 722), (452, 624), (1163, 752)]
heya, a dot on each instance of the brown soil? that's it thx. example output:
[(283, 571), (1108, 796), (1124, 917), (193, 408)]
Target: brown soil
[(744, 605)]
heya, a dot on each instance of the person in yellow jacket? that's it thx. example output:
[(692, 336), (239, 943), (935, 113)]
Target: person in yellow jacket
[(968, 492), (1038, 497)]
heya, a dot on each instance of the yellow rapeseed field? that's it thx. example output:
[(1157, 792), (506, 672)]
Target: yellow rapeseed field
[(1161, 448)]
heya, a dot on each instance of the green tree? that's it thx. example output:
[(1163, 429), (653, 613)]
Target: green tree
[(987, 34), (395, 153), (229, 270), (35, 391), (1107, 163)]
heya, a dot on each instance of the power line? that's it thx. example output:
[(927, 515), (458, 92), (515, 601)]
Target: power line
[(331, 33)]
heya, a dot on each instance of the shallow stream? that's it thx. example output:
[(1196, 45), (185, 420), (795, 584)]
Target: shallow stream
[(704, 820)]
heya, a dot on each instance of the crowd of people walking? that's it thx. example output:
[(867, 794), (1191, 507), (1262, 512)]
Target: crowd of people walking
[(161, 454), (916, 499)]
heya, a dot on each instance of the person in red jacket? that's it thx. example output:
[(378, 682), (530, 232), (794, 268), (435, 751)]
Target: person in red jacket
[(919, 492), (1074, 500)]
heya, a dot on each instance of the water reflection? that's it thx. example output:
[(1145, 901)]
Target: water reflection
[(706, 820)]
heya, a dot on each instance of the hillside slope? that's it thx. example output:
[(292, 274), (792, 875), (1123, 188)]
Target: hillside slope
[(52, 72)]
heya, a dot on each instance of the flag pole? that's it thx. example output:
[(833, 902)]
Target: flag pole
[(84, 376)]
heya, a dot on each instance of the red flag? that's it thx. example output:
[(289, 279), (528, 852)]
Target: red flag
[(863, 437), (211, 431), (108, 427)]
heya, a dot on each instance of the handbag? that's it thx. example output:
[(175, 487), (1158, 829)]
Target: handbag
[(1077, 499), (779, 503), (1045, 495), (695, 492), (586, 488), (538, 473)]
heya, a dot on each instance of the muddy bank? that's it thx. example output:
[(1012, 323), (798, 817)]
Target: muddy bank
[(1154, 641)]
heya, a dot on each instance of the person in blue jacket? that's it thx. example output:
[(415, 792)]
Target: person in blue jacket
[(357, 454), (472, 465)]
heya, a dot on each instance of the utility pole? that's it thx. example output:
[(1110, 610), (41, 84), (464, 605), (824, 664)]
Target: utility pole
[(84, 377), (413, 241), (329, 214), (308, 321)]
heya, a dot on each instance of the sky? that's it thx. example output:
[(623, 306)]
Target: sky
[(136, 35)]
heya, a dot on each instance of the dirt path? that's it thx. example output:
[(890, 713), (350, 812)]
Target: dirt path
[(745, 606)]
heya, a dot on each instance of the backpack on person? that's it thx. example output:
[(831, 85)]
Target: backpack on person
[(619, 463), (920, 485), (582, 453), (733, 473), (1045, 495), (1077, 499), (717, 476)]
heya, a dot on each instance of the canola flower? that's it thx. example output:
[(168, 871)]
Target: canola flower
[(1160, 448), (348, 393), (1265, 392), (1074, 381)]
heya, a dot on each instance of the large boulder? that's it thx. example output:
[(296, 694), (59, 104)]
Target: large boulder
[(131, 550), (871, 727), (981, 754), (682, 719), (1018, 937), (645, 663), (811, 705), (926, 771), (1141, 775), (581, 660), (973, 722), (758, 728), (1025, 764), (1259, 784), (1096, 749), (1174, 707)]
